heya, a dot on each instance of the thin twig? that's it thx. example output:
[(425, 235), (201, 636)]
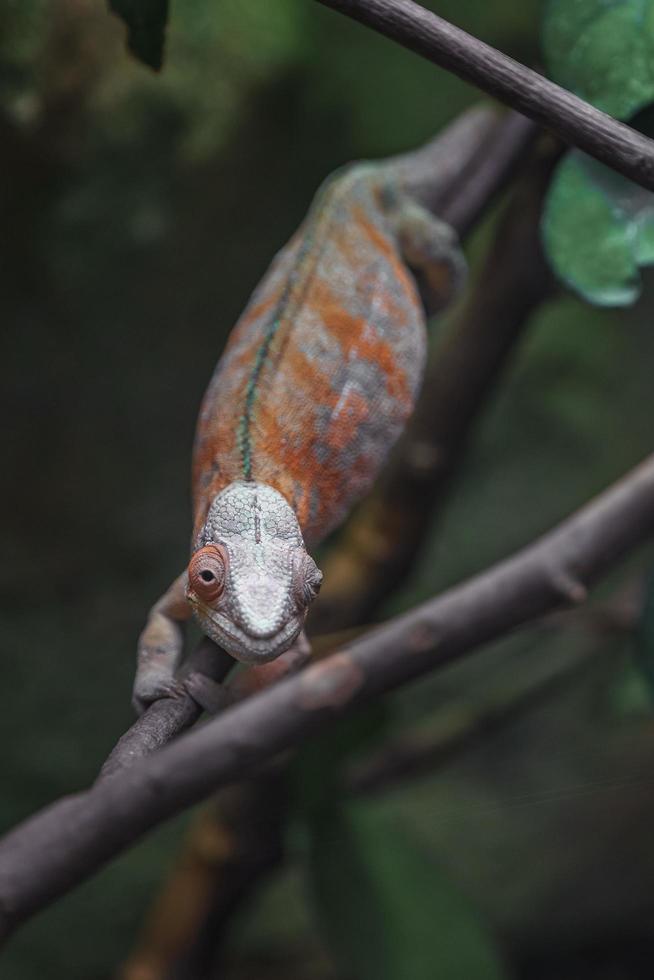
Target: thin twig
[(569, 117), (57, 848)]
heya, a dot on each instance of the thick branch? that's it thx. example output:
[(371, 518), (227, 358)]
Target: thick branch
[(569, 117), (59, 847)]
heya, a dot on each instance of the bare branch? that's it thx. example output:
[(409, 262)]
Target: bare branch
[(56, 849), (569, 117), (471, 718)]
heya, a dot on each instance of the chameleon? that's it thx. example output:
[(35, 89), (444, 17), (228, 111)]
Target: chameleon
[(316, 383)]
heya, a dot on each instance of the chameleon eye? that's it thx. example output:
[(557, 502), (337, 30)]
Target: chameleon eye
[(206, 573)]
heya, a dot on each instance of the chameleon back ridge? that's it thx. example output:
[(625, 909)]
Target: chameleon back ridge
[(322, 370)]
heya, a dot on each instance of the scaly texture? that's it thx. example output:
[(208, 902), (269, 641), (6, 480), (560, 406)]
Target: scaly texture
[(322, 370), (315, 385)]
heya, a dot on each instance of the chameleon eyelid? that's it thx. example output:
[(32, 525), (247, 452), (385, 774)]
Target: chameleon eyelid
[(307, 578), (207, 571)]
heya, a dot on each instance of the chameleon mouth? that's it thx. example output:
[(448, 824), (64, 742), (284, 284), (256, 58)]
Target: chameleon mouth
[(239, 644)]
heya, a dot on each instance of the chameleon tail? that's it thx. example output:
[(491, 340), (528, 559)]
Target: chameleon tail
[(429, 173)]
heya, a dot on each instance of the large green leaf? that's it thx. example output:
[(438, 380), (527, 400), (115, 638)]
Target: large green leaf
[(146, 27), (388, 911), (598, 230), (603, 50)]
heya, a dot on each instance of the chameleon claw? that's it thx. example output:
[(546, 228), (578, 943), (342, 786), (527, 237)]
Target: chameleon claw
[(149, 690)]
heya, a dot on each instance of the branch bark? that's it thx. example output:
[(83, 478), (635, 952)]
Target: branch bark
[(569, 117), (59, 847), (470, 719)]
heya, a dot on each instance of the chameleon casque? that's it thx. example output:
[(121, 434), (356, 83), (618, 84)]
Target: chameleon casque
[(315, 385)]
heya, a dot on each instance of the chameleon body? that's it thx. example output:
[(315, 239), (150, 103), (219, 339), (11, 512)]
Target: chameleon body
[(315, 385), (321, 371)]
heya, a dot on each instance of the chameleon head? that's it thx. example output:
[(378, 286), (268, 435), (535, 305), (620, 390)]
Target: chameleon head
[(250, 579)]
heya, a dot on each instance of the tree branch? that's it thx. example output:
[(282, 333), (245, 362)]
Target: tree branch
[(56, 849), (470, 719), (569, 117)]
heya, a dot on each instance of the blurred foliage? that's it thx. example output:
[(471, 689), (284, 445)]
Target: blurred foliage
[(598, 226), (138, 212), (388, 911), (146, 28), (384, 906)]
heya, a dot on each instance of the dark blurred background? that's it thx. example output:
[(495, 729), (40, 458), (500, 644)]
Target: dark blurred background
[(137, 212)]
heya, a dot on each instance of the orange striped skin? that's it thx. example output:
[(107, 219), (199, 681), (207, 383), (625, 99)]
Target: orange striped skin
[(323, 367), (314, 387)]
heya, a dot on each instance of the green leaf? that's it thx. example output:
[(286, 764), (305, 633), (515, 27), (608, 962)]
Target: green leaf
[(146, 28), (603, 50), (598, 230), (387, 910)]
